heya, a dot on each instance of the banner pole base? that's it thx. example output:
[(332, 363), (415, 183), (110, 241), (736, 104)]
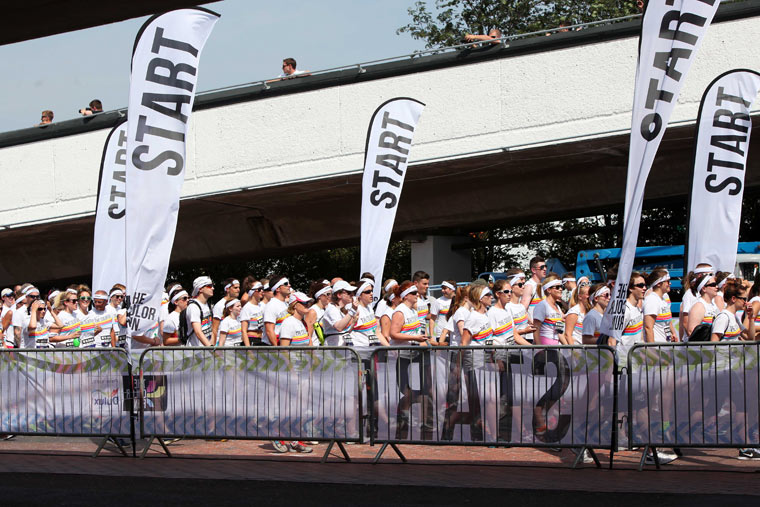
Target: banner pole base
[(342, 450)]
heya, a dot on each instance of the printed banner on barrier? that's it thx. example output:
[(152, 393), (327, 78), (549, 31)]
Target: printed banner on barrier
[(522, 397), (389, 140), (161, 96), (77, 392), (109, 262), (724, 128), (266, 393), (671, 34), (695, 395)]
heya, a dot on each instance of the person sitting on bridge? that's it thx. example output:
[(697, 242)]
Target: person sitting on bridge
[(47, 117), (95, 107), (494, 36), (289, 70)]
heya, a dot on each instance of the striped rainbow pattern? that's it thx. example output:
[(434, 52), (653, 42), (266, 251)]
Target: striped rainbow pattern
[(482, 335), (367, 327), (664, 317), (71, 328), (301, 340), (634, 329), (522, 319), (730, 335), (503, 329), (411, 327), (708, 319)]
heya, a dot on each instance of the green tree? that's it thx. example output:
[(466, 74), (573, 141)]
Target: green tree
[(447, 21)]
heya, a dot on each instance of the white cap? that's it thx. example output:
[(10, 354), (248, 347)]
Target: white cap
[(300, 297), (199, 283), (343, 285), (6, 292)]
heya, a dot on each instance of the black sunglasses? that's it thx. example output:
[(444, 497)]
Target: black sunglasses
[(521, 284), (367, 291), (641, 285), (713, 284)]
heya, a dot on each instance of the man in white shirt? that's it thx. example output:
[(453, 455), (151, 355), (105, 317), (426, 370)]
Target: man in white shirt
[(276, 309), (439, 308), (421, 280), (199, 314), (289, 70), (231, 291)]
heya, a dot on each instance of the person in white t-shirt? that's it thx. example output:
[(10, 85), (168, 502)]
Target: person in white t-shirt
[(703, 310), (340, 315), (89, 327), (365, 331), (458, 312), (382, 305), (726, 325), (178, 301), (199, 314), (658, 319), (547, 315), (516, 280), (421, 280), (439, 308), (576, 315), (689, 297), (633, 320), (289, 70), (599, 298), (35, 334), (9, 303), (70, 327), (321, 293), (115, 307), (391, 302), (293, 332), (231, 291), (105, 335), (276, 310), (252, 317), (230, 329), (754, 300), (532, 293)]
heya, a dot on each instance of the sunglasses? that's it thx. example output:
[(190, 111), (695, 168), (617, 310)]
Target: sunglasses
[(367, 291), (640, 285), (541, 267), (258, 290), (85, 298), (33, 297), (521, 284), (605, 296), (713, 284), (505, 291), (743, 298), (184, 298), (119, 297), (71, 300), (286, 284)]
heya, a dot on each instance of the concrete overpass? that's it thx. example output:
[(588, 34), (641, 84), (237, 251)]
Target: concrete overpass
[(534, 131)]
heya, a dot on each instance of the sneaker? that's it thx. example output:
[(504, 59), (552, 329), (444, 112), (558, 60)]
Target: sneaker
[(7, 436), (280, 446), (586, 456), (753, 454), (663, 457), (300, 447), (313, 442)]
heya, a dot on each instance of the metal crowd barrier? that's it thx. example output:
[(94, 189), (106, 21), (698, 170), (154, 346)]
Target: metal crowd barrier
[(261, 393), (67, 392), (528, 396), (704, 394)]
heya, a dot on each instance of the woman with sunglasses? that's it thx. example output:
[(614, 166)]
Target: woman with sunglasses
[(69, 329), (633, 320), (516, 279), (365, 332), (230, 329), (252, 316), (340, 315), (458, 313), (547, 315), (321, 293), (727, 325), (35, 334), (579, 308), (599, 298), (502, 320), (86, 317), (703, 310), (391, 302), (658, 319), (115, 303), (105, 336)]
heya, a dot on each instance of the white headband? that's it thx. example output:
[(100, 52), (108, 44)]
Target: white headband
[(233, 282), (390, 285), (71, 291), (516, 277), (447, 284), (565, 280), (408, 291), (723, 282), (20, 299), (175, 286), (280, 282), (663, 278), (703, 283), (101, 296), (179, 295), (391, 297), (486, 292), (231, 303), (117, 292), (551, 284), (53, 295), (706, 269), (600, 292), (581, 279), (367, 280), (323, 290), (326, 282), (366, 285), (30, 289)]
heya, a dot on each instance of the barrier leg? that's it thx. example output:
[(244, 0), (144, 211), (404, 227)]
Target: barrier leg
[(103, 443), (382, 450), (581, 453), (150, 443), (612, 456), (342, 450)]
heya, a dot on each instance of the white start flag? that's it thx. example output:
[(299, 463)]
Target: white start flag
[(389, 140), (161, 94), (671, 34), (720, 159)]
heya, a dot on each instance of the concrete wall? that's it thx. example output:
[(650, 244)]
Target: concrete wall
[(530, 99)]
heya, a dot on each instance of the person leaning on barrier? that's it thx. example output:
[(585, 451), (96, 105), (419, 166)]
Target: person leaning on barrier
[(293, 332), (321, 294), (104, 320), (633, 320), (231, 291), (516, 279), (69, 330), (494, 35), (406, 328), (703, 310), (502, 319), (251, 316), (230, 329), (277, 308), (88, 320), (727, 325), (658, 320), (116, 308), (46, 118), (95, 107), (35, 334), (365, 331), (689, 297), (23, 300), (599, 298), (198, 314), (579, 307), (547, 315)]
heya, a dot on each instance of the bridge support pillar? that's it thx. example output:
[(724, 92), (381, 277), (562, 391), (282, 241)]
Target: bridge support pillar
[(434, 255)]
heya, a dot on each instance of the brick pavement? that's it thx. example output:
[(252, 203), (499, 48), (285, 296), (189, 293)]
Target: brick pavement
[(700, 471)]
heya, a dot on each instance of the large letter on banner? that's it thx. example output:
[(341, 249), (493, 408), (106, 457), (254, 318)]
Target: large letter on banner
[(161, 95), (389, 138), (720, 158), (671, 33), (108, 259)]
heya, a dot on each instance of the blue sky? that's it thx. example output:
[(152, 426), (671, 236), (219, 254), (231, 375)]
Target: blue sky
[(64, 72)]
